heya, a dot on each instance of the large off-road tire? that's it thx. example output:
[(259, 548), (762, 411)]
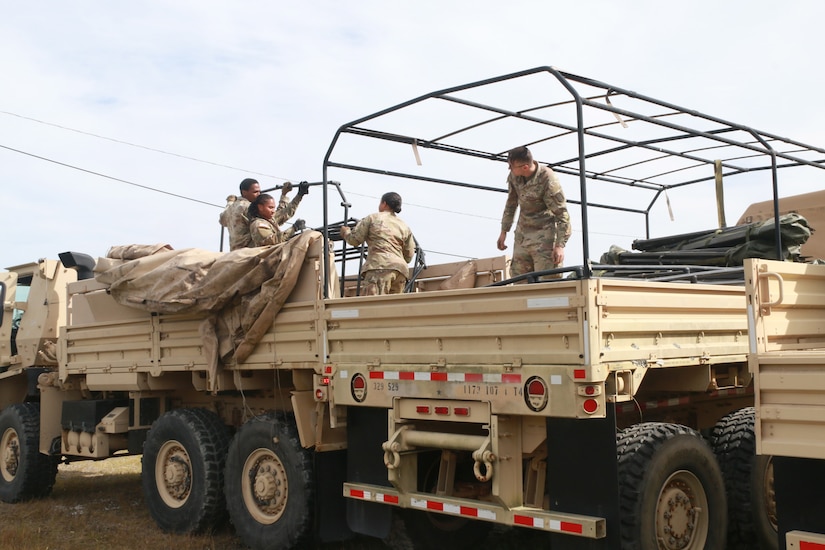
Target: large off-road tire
[(748, 483), (25, 473), (269, 484), (183, 464), (671, 493)]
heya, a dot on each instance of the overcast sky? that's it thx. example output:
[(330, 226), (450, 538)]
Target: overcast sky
[(112, 112)]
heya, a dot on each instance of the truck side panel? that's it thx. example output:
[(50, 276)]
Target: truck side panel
[(485, 344), (786, 309), (667, 322), (492, 326), (787, 302), (116, 347)]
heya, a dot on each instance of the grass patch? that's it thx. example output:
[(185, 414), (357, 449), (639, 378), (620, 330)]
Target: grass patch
[(97, 506)]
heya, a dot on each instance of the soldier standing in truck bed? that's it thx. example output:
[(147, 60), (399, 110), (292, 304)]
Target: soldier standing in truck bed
[(390, 247), (543, 224), (234, 216)]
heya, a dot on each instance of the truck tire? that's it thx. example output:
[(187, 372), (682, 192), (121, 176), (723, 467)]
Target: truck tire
[(269, 484), (183, 463), (25, 473), (748, 483), (671, 493)]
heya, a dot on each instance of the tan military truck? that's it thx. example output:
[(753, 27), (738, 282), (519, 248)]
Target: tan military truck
[(810, 205), (597, 409), (786, 306)]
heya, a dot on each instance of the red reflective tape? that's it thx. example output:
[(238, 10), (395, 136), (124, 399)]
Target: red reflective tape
[(356, 493), (523, 520), (511, 378), (579, 373), (473, 377), (406, 375), (568, 527), (467, 511), (391, 499), (435, 506), (438, 377), (376, 374), (807, 545)]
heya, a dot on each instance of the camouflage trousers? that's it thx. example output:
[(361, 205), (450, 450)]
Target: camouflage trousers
[(383, 281), (533, 252)]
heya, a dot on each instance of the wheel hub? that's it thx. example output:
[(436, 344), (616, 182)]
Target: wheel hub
[(266, 486), (770, 496), (678, 516), (11, 455), (266, 490), (173, 474)]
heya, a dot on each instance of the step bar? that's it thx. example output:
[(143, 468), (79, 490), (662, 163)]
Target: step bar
[(542, 520)]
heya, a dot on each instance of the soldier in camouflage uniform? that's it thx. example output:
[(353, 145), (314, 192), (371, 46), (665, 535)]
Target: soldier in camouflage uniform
[(266, 218), (390, 246), (544, 224), (234, 215)]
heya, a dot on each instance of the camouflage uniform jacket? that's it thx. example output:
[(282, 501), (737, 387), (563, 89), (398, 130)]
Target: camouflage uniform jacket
[(541, 205), (234, 219), (390, 241), (263, 232)]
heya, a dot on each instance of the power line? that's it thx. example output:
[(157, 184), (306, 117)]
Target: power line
[(482, 218), (109, 177), (114, 140), (122, 142)]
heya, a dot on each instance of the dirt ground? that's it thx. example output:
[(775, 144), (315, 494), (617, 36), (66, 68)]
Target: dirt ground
[(100, 506)]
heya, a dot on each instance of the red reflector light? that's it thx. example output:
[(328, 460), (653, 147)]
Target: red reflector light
[(462, 411), (442, 410), (589, 390), (422, 409), (590, 406), (579, 373), (328, 369), (535, 388), (359, 383)]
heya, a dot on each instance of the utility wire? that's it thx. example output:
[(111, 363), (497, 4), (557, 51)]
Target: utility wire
[(109, 177), (140, 146), (480, 217), (91, 134)]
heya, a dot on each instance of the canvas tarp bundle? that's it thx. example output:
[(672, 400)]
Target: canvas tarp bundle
[(239, 292)]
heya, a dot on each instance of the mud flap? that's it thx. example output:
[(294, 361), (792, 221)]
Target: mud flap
[(366, 432), (582, 476), (330, 504), (799, 502)]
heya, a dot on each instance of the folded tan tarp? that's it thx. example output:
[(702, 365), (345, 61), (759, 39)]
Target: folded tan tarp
[(239, 292)]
